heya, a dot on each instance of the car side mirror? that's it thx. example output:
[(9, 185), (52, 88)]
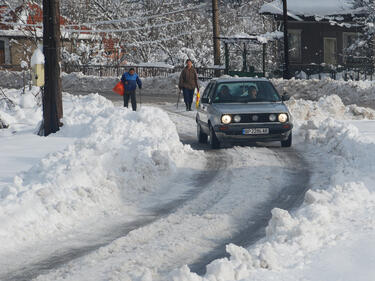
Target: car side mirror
[(285, 97), (204, 100)]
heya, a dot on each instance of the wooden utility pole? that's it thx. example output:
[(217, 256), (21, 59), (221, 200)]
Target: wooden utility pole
[(216, 31), (52, 100), (286, 74)]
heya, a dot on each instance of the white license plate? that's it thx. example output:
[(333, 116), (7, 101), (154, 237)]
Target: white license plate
[(255, 131)]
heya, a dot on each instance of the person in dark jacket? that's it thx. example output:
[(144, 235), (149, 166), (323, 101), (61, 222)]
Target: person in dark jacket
[(188, 82), (130, 80)]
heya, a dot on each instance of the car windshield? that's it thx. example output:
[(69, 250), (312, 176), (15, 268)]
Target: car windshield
[(244, 92)]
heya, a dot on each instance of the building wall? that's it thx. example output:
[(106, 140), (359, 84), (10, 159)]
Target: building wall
[(21, 49), (312, 40)]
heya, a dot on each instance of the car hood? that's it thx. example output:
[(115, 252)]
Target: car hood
[(243, 108)]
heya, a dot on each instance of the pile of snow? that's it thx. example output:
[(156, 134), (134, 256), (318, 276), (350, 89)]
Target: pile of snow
[(37, 57), (327, 106), (77, 82), (21, 110), (350, 92), (337, 215), (13, 79), (118, 155)]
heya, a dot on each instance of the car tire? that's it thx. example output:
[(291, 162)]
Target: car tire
[(202, 137), (288, 142), (214, 142)]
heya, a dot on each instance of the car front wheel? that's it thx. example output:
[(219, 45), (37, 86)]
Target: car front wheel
[(202, 137), (288, 142), (214, 142)]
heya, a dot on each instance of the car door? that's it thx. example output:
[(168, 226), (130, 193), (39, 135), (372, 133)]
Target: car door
[(203, 105)]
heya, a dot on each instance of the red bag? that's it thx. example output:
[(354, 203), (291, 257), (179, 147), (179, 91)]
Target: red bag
[(119, 89)]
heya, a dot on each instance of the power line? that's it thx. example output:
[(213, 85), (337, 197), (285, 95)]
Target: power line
[(165, 39)]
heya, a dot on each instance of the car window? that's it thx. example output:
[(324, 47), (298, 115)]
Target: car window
[(212, 90), (207, 91), (248, 91)]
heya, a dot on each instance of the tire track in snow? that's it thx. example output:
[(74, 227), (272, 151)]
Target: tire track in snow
[(63, 256), (296, 175), (290, 197), (210, 187)]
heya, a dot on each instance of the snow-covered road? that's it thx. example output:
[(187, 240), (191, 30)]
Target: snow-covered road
[(229, 200), (133, 196)]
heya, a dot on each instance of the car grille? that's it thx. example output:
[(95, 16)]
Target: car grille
[(255, 118)]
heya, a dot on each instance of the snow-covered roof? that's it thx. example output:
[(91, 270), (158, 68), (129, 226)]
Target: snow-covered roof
[(312, 7), (27, 21)]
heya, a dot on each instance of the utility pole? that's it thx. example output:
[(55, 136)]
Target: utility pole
[(216, 31), (52, 100), (286, 74)]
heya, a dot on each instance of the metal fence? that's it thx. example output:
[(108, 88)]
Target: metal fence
[(321, 71), (310, 71), (143, 71)]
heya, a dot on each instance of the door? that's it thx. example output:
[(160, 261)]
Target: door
[(2, 52), (203, 106), (330, 50)]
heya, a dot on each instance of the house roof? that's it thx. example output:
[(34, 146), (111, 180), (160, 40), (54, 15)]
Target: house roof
[(308, 8), (27, 21), (23, 20)]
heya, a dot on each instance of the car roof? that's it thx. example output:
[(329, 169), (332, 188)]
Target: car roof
[(238, 79)]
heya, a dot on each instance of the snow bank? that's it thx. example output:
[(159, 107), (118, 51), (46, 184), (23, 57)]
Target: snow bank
[(327, 106), (79, 83), (21, 110), (351, 92), (118, 156), (13, 79), (340, 205)]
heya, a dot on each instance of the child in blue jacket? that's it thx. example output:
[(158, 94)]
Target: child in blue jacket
[(130, 80)]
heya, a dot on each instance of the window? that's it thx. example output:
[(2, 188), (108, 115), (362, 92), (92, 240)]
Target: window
[(330, 50), (294, 39), (352, 48), (244, 92), (207, 90), (2, 52)]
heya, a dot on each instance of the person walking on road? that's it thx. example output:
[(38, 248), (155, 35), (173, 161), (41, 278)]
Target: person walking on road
[(130, 80), (188, 82)]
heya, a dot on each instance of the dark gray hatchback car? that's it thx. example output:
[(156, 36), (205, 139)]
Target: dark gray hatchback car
[(243, 110)]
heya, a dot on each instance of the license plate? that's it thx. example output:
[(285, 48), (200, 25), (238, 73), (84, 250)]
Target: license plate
[(255, 131)]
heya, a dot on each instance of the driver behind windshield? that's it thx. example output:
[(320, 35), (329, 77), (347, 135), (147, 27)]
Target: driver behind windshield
[(224, 93), (253, 92)]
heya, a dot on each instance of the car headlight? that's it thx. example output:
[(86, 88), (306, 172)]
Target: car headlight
[(283, 117), (226, 119), (237, 118), (272, 117)]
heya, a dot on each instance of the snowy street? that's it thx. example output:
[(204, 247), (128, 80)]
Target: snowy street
[(118, 195), (222, 140), (229, 200)]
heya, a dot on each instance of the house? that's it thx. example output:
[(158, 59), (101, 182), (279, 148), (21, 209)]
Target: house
[(322, 34), (20, 33), (21, 30)]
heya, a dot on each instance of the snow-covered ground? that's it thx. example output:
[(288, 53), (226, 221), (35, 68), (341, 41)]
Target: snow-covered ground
[(109, 166), (351, 92)]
